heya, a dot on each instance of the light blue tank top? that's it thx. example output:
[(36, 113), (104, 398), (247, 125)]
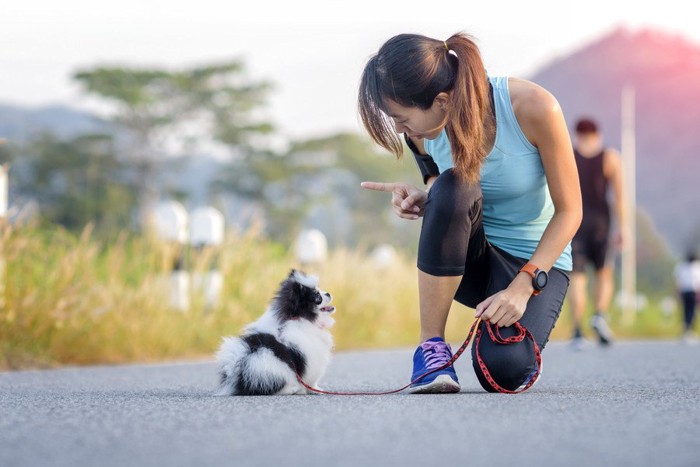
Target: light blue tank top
[(517, 205)]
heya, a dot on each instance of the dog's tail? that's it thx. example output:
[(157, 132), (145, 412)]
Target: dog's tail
[(246, 372), (229, 357), (259, 378)]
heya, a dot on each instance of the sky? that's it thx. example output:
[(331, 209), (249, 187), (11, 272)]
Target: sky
[(313, 51)]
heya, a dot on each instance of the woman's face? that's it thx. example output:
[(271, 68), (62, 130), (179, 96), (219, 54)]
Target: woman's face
[(416, 122)]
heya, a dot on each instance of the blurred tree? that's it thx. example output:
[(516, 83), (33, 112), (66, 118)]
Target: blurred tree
[(77, 182), (5, 151), (316, 183), (164, 111), (654, 261)]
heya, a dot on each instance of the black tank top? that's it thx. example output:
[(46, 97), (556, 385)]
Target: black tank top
[(594, 189)]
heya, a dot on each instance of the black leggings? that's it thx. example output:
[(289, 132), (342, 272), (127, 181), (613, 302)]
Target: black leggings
[(689, 304), (453, 243)]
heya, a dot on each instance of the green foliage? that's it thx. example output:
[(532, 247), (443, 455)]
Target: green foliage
[(5, 152), (185, 108), (78, 182), (654, 262), (325, 174), (218, 97)]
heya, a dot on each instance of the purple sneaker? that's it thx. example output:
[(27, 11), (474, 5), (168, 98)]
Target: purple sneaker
[(430, 355)]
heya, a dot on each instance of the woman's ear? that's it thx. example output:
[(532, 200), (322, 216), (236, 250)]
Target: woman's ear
[(442, 100)]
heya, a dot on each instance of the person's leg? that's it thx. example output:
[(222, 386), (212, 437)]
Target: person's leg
[(510, 365), (693, 306), (688, 301), (577, 301), (579, 283), (451, 251), (451, 234), (603, 288), (603, 296), (435, 299)]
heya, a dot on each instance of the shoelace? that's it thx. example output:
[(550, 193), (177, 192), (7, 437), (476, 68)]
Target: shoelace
[(436, 354)]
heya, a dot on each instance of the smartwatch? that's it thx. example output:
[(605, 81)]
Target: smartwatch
[(539, 277)]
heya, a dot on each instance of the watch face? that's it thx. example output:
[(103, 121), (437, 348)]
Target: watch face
[(541, 280)]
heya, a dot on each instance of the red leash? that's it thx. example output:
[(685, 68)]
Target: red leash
[(494, 335)]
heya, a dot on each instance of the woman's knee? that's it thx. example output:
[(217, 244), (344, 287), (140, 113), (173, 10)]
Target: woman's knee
[(451, 194), (509, 365)]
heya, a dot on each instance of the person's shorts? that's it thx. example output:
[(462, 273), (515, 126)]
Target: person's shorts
[(591, 245)]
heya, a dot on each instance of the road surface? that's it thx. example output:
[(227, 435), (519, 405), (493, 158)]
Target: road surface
[(636, 404)]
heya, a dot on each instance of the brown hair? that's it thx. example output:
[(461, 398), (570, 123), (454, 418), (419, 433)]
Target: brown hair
[(586, 126), (412, 70)]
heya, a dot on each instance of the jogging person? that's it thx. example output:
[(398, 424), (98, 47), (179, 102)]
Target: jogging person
[(600, 175), (502, 200)]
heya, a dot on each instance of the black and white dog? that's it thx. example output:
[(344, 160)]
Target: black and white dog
[(290, 337)]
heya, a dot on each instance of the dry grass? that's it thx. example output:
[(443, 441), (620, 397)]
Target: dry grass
[(72, 300)]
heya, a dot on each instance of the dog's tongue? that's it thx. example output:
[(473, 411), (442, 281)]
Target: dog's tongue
[(328, 309)]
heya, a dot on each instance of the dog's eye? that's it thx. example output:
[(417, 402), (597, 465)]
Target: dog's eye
[(318, 299)]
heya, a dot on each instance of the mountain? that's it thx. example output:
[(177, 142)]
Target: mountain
[(664, 71), (20, 124)]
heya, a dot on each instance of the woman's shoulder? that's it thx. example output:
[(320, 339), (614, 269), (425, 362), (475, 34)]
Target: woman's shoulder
[(533, 105), (530, 98)]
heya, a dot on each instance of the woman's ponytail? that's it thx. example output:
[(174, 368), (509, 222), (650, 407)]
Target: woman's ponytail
[(470, 122)]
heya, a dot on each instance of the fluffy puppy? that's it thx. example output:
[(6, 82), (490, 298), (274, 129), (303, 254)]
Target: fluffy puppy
[(290, 337)]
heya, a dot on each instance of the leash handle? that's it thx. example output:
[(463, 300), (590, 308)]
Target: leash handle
[(495, 336)]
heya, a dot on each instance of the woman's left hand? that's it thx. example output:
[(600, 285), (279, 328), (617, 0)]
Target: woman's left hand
[(506, 307)]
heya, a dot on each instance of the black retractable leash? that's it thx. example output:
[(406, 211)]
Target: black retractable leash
[(494, 334)]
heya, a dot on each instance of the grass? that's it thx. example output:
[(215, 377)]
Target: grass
[(74, 300)]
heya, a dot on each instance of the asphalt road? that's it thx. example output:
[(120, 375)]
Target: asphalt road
[(636, 404)]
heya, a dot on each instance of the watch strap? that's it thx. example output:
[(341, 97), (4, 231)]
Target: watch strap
[(531, 269)]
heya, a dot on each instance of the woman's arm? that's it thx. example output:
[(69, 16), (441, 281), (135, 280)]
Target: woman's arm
[(612, 168), (542, 121)]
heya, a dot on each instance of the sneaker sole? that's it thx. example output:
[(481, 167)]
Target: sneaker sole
[(443, 384)]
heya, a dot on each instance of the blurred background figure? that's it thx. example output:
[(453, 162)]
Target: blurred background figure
[(600, 176), (687, 277)]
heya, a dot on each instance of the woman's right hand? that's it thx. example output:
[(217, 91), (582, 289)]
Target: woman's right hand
[(408, 201)]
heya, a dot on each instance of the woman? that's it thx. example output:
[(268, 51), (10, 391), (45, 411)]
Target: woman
[(502, 204)]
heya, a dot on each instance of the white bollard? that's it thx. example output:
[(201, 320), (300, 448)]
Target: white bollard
[(207, 231), (383, 256), (641, 302), (209, 284), (206, 227), (179, 286), (311, 247), (668, 306), (170, 222)]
